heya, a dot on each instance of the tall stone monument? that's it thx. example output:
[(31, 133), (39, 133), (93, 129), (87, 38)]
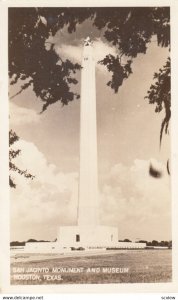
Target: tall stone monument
[(88, 209), (88, 232)]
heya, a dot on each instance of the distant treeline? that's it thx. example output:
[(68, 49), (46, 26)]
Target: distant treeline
[(17, 243), (153, 243)]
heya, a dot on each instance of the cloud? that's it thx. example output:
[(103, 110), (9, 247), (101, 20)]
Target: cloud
[(21, 115), (102, 49), (74, 53), (130, 199), (139, 205), (48, 201)]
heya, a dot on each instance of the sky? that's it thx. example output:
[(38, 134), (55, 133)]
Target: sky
[(128, 139)]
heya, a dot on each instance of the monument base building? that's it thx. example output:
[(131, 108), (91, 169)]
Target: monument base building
[(87, 236)]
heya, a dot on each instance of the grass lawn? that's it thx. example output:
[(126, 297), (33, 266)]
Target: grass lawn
[(132, 266)]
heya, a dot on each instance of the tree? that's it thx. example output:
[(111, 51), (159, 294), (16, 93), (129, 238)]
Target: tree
[(155, 243), (170, 244), (160, 94), (31, 241), (17, 243), (142, 241), (13, 154), (129, 29), (34, 62), (164, 243), (127, 240)]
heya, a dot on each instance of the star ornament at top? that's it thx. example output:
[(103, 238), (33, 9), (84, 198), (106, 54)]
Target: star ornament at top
[(87, 41)]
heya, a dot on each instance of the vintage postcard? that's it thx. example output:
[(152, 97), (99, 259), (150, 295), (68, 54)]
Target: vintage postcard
[(90, 98)]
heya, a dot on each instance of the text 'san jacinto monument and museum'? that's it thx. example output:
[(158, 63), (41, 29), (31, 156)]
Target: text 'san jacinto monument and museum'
[(88, 231)]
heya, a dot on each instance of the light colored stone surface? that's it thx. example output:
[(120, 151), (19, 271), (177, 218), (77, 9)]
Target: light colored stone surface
[(88, 208), (88, 232), (89, 236)]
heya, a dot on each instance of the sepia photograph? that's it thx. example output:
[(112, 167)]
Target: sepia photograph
[(89, 145)]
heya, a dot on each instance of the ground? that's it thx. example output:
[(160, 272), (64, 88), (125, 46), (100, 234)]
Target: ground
[(122, 266)]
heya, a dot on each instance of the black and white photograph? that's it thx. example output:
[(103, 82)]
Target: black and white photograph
[(90, 102), (90, 145)]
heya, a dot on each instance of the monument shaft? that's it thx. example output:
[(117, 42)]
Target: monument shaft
[(88, 182), (88, 233)]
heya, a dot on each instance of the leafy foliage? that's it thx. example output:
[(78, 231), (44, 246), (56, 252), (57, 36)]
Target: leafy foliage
[(129, 29), (12, 154), (160, 94), (120, 72), (30, 61)]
